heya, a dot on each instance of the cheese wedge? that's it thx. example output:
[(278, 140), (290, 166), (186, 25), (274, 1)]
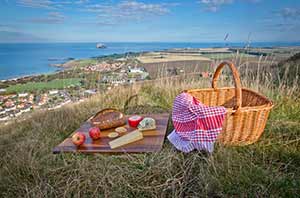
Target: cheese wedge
[(126, 139), (147, 124)]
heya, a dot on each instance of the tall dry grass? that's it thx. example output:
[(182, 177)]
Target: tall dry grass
[(269, 168)]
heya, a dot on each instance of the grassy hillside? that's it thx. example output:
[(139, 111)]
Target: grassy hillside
[(289, 69), (269, 168)]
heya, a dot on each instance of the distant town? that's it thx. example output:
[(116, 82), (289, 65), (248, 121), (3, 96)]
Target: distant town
[(15, 104), (80, 79)]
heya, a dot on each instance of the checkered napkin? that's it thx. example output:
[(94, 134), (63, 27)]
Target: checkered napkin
[(196, 125)]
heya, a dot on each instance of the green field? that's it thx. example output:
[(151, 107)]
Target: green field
[(86, 62), (40, 86), (226, 55)]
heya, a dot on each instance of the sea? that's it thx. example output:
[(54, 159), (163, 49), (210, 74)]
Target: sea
[(24, 59)]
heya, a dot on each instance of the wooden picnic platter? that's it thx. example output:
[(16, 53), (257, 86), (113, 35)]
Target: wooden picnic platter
[(152, 141)]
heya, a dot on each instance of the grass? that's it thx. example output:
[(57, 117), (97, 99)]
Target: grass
[(80, 63), (85, 62), (269, 168), (39, 86)]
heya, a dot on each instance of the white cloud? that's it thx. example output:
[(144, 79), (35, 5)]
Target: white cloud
[(139, 7), (289, 20), (47, 4), (51, 18), (215, 5), (35, 3), (128, 10), (282, 20), (82, 1), (290, 13)]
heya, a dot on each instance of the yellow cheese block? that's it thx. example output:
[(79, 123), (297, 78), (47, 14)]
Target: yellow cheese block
[(126, 139)]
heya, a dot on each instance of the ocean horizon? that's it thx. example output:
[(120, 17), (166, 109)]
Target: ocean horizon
[(24, 59)]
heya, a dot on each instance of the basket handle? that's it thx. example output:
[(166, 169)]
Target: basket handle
[(237, 81)]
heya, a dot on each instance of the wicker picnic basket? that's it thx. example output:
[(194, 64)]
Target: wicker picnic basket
[(247, 111)]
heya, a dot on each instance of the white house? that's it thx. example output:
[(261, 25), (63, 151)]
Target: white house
[(21, 95), (53, 92), (26, 109), (90, 91), (10, 108), (136, 70)]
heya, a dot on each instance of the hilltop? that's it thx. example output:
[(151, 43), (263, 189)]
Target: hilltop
[(269, 167)]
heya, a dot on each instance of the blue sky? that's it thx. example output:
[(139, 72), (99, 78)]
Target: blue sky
[(145, 20)]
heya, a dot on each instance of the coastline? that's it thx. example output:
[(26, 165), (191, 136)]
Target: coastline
[(35, 59), (64, 65), (30, 76)]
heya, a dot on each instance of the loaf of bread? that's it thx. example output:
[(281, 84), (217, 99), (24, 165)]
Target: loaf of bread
[(108, 118)]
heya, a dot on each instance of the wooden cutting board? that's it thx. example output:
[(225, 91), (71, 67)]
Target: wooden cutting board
[(152, 141)]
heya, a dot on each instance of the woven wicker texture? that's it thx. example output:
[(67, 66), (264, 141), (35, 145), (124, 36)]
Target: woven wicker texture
[(247, 110)]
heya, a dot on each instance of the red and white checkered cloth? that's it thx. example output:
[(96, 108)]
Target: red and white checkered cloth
[(196, 125)]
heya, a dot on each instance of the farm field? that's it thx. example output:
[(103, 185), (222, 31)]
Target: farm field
[(221, 56), (39, 86), (158, 57)]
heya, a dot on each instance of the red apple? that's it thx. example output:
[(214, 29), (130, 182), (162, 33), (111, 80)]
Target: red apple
[(94, 133), (78, 138)]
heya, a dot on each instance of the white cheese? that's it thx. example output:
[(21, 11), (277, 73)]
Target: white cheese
[(126, 139), (147, 124)]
